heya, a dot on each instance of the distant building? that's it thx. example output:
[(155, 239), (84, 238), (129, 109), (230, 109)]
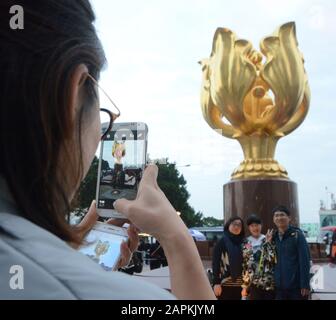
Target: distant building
[(211, 233), (312, 229), (327, 217)]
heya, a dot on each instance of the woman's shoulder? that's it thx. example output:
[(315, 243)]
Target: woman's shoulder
[(53, 270)]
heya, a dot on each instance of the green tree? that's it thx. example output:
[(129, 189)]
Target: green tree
[(212, 222), (171, 182), (174, 186)]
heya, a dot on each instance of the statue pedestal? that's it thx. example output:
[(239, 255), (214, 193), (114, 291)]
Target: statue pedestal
[(259, 196)]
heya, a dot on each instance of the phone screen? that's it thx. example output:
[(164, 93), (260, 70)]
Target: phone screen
[(102, 245), (122, 165)]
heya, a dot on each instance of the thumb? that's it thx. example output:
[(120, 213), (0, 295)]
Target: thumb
[(89, 219), (122, 206), (150, 175)]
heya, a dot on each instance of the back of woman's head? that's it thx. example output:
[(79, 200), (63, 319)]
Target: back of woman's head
[(37, 64)]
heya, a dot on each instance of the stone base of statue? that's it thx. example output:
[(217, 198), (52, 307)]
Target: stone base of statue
[(259, 196)]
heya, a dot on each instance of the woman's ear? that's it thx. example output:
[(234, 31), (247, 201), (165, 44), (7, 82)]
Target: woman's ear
[(76, 89)]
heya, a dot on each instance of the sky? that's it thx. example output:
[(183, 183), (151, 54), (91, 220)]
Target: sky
[(153, 48)]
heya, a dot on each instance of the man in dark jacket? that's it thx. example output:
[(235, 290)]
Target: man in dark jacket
[(293, 258)]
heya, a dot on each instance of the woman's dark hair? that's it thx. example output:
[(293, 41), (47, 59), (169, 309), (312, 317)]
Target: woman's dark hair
[(227, 225), (253, 219), (37, 64)]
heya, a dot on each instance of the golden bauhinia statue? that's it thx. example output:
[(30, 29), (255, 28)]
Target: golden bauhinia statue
[(261, 101)]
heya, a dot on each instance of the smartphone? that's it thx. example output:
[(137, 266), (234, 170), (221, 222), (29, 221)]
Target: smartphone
[(121, 164), (102, 244)]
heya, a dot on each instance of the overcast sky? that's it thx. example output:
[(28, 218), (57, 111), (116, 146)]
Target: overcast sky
[(153, 47)]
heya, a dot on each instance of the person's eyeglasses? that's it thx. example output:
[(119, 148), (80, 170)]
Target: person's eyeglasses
[(236, 224), (106, 127)]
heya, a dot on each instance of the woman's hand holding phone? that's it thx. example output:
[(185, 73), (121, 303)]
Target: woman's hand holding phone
[(151, 212), (126, 248)]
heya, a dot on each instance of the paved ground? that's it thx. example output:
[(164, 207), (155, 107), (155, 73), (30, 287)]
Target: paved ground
[(323, 282), (160, 276)]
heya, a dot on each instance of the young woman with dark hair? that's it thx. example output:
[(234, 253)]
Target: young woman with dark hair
[(259, 258), (227, 261), (49, 132)]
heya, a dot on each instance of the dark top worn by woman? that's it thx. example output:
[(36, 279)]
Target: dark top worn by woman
[(227, 260)]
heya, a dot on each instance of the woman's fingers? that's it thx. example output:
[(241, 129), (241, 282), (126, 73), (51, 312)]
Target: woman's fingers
[(117, 222), (88, 221), (123, 206), (133, 237), (132, 231), (82, 228), (125, 255), (149, 176), (127, 249)]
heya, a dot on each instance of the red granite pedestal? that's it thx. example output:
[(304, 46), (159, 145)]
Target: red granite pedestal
[(260, 196)]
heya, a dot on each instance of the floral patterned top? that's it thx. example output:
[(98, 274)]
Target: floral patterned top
[(258, 264)]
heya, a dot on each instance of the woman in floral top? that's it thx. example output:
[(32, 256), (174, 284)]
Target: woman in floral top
[(259, 258)]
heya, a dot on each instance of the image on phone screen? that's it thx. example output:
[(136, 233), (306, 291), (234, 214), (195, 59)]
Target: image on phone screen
[(122, 165), (103, 248)]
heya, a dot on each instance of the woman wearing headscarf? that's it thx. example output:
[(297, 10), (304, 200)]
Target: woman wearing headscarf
[(227, 261)]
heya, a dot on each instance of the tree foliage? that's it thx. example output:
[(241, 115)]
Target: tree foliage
[(171, 182)]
